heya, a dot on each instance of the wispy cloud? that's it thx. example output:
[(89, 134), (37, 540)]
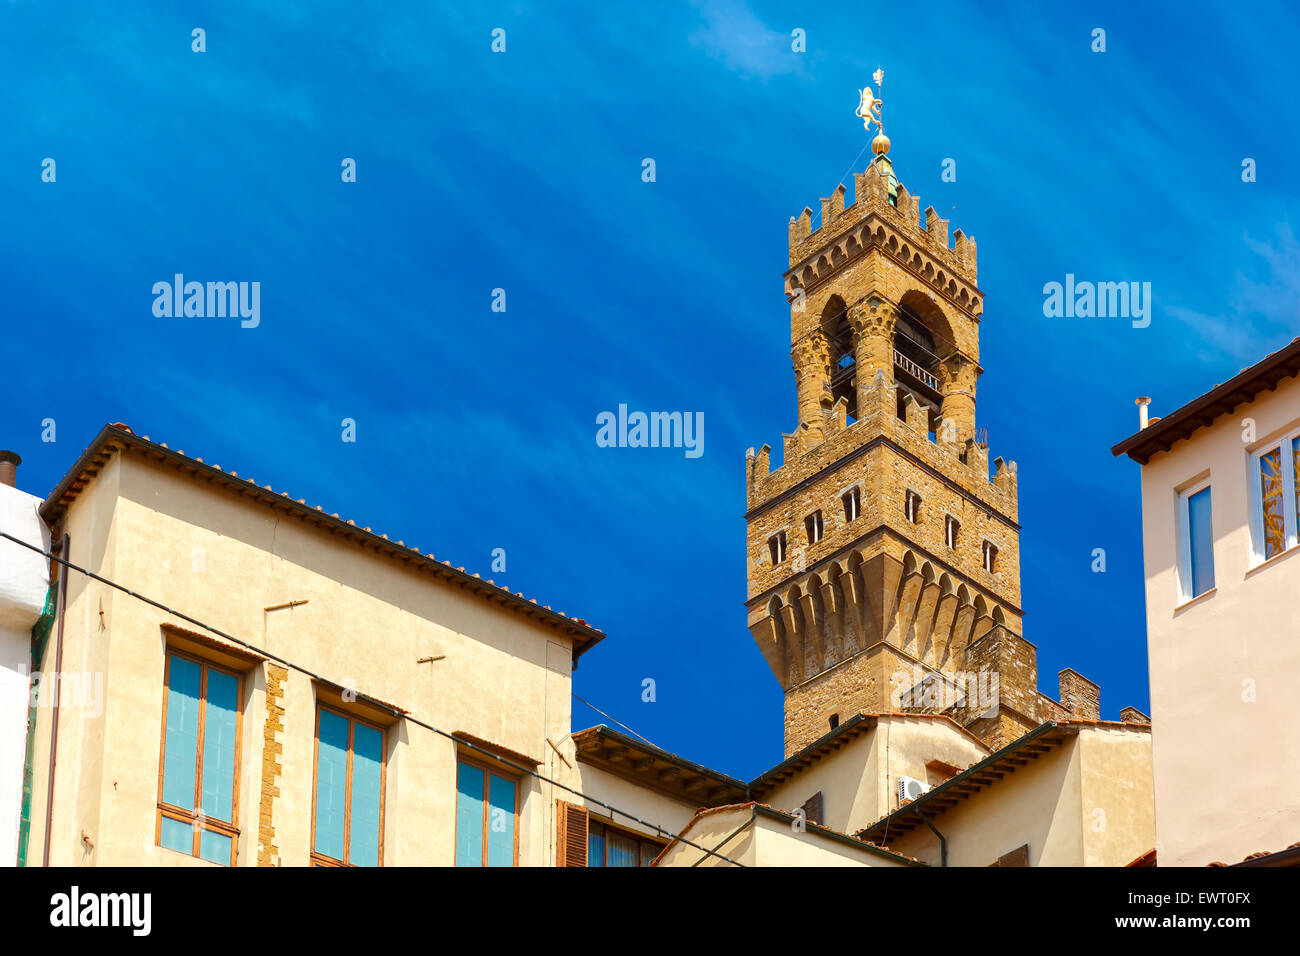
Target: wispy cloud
[(734, 36), (1260, 310)]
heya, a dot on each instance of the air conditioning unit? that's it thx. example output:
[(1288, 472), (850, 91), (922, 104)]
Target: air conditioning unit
[(909, 788)]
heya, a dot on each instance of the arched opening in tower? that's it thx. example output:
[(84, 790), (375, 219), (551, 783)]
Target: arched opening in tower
[(839, 335), (922, 340)]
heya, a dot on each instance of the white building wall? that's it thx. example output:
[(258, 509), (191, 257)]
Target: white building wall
[(24, 580)]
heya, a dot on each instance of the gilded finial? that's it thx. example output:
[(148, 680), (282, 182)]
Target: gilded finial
[(869, 105)]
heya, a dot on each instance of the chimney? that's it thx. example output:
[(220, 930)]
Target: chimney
[(9, 462), (1142, 404), (1131, 715), (1080, 696)]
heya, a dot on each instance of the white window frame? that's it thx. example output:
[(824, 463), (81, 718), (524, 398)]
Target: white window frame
[(814, 526), (1183, 531), (911, 514), (851, 499), (1291, 535), (950, 521), (781, 551), (989, 562)]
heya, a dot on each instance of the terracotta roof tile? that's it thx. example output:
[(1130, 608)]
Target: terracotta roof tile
[(117, 434)]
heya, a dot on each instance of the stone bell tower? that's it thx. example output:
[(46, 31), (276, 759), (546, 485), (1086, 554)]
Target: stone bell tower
[(883, 560)]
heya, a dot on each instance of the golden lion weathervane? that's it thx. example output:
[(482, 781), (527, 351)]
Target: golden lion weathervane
[(869, 105)]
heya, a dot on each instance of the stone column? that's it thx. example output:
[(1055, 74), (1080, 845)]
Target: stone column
[(957, 375), (812, 373), (873, 321)]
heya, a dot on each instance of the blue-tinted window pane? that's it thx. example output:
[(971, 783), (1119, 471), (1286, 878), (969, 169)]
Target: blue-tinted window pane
[(1201, 536), (367, 764), (622, 850), (469, 816), (215, 847), (596, 845), (182, 732), (331, 784), (219, 745), (501, 822), (177, 835)]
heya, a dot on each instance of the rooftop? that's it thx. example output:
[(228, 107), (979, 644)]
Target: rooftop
[(979, 776), (118, 437), (1163, 433)]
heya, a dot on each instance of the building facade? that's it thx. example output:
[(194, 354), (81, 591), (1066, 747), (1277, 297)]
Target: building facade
[(1219, 540)]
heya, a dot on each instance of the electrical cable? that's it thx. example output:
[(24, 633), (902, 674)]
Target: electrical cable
[(373, 701)]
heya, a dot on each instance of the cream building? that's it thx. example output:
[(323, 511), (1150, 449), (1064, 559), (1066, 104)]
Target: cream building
[(1219, 533), (284, 687)]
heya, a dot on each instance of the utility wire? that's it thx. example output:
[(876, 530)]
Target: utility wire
[(619, 722), (373, 701)]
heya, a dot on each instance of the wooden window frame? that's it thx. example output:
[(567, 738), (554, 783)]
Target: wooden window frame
[(180, 814), (488, 770), (622, 831), (322, 859)]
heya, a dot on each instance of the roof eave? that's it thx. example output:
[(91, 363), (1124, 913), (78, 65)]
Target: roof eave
[(106, 443)]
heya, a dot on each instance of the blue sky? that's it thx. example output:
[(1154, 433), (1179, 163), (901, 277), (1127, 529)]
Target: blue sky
[(522, 171)]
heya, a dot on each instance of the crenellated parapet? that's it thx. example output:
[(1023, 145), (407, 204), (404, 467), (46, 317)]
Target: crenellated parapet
[(963, 459), (892, 226)]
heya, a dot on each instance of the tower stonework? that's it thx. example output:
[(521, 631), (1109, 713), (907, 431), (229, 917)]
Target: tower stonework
[(883, 557)]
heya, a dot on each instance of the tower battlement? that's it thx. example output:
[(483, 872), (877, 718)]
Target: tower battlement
[(842, 233), (967, 462)]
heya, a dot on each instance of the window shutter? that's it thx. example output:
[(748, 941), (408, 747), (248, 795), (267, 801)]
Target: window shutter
[(812, 808), (1017, 857), (571, 847)]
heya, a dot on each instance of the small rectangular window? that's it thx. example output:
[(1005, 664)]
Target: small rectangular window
[(198, 785), (950, 529), (852, 504), (1196, 547), (813, 525), (912, 507), (776, 547), (990, 556), (348, 792)]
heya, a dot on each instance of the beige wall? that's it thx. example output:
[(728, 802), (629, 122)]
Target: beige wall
[(859, 782), (223, 559), (1224, 667), (1083, 803), (765, 841)]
